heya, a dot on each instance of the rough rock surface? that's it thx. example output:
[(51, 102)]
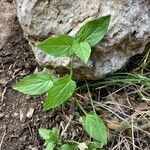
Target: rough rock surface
[(128, 34), (7, 19)]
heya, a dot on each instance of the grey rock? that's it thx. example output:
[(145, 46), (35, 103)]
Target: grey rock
[(16, 114), (34, 148), (30, 113), (7, 19), (2, 115), (23, 115), (128, 34)]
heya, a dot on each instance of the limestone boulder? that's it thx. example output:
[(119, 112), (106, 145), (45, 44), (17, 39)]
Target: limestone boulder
[(128, 33)]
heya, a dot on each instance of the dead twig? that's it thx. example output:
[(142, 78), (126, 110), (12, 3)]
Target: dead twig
[(3, 93), (2, 139), (65, 129)]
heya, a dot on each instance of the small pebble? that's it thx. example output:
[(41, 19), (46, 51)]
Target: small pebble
[(15, 114), (34, 148), (30, 113), (22, 115), (3, 81), (82, 146), (2, 115)]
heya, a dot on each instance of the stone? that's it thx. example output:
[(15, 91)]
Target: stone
[(7, 19), (2, 115), (23, 114), (82, 146), (30, 113), (34, 148), (128, 33)]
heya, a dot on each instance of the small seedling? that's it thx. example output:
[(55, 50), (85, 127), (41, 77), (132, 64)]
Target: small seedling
[(52, 140), (61, 89), (50, 137)]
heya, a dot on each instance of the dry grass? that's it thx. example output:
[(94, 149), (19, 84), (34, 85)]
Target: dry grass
[(123, 100)]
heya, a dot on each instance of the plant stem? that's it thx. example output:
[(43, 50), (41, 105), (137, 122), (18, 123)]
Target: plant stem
[(71, 66), (81, 107), (90, 98)]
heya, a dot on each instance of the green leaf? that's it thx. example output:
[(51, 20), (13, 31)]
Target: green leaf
[(50, 146), (57, 46), (95, 127), (61, 91), (68, 147), (35, 84), (82, 50), (44, 133), (94, 145), (53, 135), (93, 31), (49, 135)]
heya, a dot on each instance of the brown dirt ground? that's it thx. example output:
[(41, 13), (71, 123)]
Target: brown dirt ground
[(19, 132)]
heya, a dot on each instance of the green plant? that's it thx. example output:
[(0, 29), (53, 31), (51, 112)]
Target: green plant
[(124, 78), (91, 122), (95, 127), (52, 140), (50, 137), (62, 88)]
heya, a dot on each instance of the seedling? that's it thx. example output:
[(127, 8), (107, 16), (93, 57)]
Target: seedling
[(52, 140), (61, 89)]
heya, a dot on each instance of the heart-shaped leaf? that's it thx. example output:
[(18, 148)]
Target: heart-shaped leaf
[(61, 91), (35, 84), (57, 46), (82, 50), (48, 135), (95, 127), (93, 31)]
